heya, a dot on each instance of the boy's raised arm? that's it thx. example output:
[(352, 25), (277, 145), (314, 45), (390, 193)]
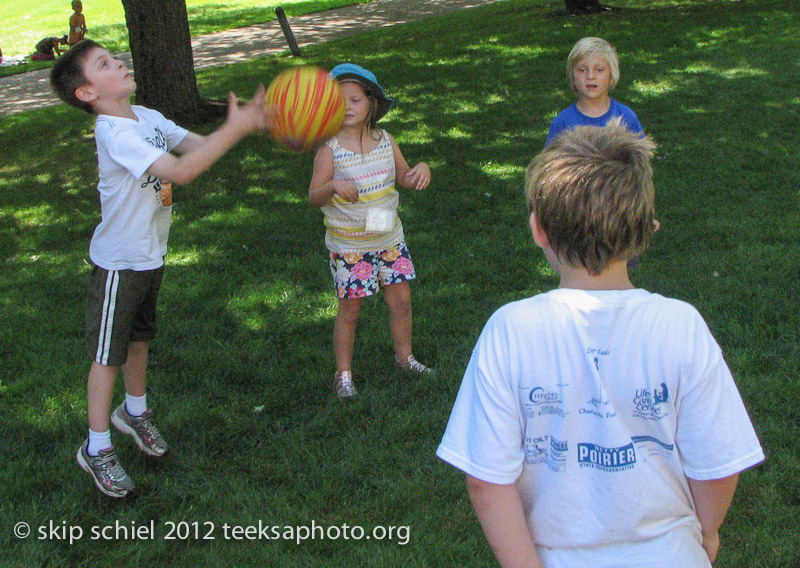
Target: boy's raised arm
[(198, 153), (712, 499), (500, 513)]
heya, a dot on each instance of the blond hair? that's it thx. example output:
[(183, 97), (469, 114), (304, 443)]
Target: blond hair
[(592, 193), (592, 47)]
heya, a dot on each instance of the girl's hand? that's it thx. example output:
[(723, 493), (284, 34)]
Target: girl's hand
[(345, 190), (419, 176)]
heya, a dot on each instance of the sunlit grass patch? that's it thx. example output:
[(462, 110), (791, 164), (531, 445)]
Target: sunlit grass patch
[(242, 365)]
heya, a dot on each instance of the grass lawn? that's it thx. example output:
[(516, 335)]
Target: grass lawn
[(25, 22), (240, 373)]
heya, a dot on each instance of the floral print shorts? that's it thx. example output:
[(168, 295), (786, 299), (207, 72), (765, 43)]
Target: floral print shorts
[(361, 274)]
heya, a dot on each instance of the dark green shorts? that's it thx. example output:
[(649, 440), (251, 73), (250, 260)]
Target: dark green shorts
[(121, 308)]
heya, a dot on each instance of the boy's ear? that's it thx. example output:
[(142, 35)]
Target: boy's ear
[(85, 93), (539, 236)]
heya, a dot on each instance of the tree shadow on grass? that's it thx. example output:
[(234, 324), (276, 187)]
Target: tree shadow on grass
[(242, 363)]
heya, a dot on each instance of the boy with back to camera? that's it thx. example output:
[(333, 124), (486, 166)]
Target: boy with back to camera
[(598, 424), (592, 71), (134, 146)]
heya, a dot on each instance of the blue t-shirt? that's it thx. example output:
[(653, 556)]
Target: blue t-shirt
[(571, 117)]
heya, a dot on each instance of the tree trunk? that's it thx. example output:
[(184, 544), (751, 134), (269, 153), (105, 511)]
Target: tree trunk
[(583, 6), (163, 66)]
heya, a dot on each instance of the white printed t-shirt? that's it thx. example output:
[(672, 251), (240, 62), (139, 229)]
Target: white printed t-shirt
[(133, 231), (598, 405)]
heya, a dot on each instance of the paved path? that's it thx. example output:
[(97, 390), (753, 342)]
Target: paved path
[(26, 91)]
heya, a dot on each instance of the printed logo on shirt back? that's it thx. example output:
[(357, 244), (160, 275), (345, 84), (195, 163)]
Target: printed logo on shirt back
[(651, 404), (607, 459), (540, 402), (546, 449)]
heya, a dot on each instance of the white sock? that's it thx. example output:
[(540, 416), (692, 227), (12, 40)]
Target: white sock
[(98, 441), (135, 405)]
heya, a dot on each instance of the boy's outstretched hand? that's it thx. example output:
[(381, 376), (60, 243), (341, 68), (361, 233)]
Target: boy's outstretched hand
[(198, 153), (253, 116)]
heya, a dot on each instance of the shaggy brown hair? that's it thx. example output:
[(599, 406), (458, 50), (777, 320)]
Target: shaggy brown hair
[(592, 193), (67, 74)]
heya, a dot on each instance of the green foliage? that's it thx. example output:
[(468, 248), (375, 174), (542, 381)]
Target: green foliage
[(241, 370)]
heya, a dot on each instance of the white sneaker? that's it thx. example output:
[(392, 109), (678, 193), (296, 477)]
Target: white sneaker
[(411, 364), (343, 385)]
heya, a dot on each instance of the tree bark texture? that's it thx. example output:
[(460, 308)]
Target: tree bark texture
[(582, 6), (161, 48)]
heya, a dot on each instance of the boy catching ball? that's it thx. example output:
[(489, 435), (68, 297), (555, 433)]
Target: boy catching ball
[(134, 151)]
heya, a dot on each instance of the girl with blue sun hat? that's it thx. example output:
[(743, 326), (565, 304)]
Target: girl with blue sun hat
[(351, 72), (354, 184)]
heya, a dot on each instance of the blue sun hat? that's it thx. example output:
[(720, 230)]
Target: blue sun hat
[(351, 72)]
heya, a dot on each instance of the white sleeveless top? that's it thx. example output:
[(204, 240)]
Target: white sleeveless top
[(373, 175)]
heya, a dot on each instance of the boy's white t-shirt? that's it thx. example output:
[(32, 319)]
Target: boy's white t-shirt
[(133, 231), (598, 405)]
